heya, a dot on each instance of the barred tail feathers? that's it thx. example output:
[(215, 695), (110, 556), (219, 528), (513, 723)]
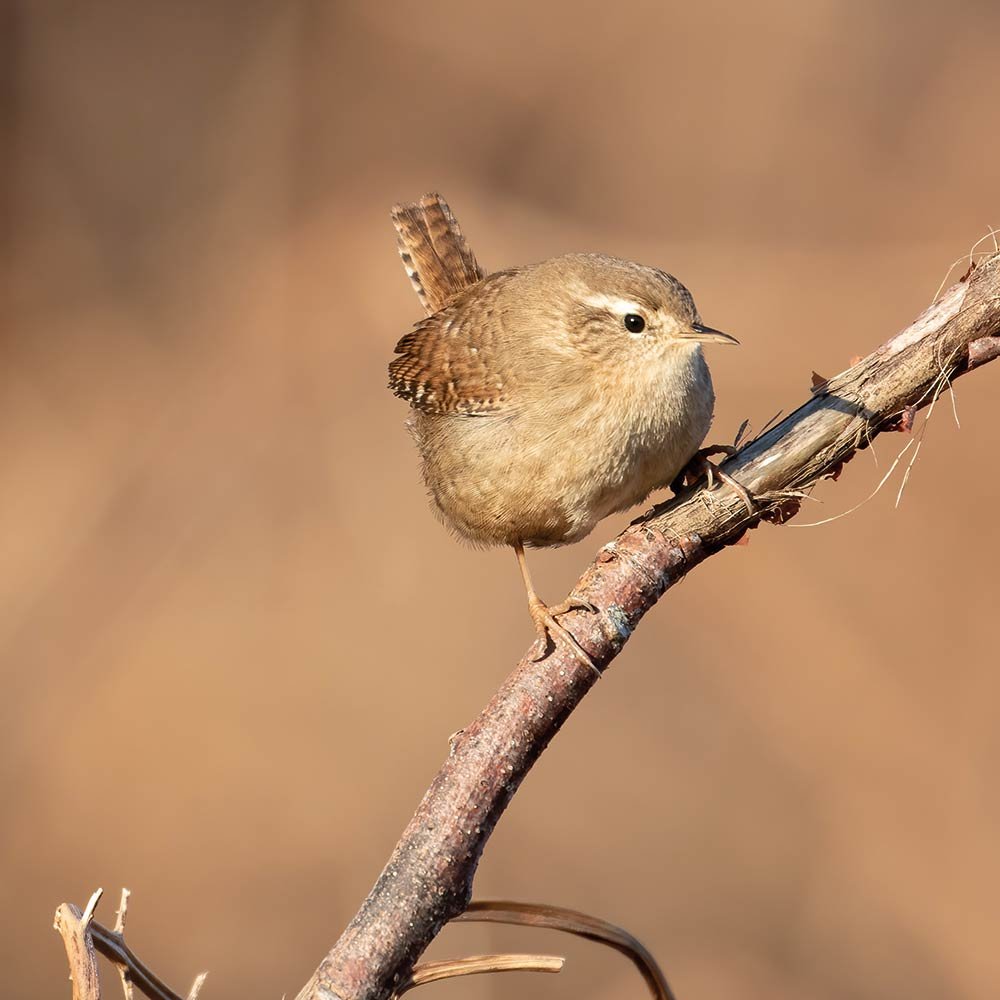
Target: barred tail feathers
[(438, 260)]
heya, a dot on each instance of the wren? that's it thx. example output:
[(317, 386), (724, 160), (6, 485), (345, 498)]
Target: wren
[(549, 396)]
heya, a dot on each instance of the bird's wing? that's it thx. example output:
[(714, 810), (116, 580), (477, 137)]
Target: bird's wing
[(438, 260), (448, 363)]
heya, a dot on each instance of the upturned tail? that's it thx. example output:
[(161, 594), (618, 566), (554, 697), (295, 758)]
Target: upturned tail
[(437, 258)]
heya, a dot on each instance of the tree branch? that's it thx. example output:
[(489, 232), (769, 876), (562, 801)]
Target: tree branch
[(428, 878)]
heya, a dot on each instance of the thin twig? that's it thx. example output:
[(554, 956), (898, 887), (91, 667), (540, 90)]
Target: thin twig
[(111, 944), (124, 972), (84, 936), (76, 928), (196, 986)]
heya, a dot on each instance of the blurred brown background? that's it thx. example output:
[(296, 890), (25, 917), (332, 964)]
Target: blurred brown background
[(235, 640)]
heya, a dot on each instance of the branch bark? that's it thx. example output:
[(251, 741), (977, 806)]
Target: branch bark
[(428, 878)]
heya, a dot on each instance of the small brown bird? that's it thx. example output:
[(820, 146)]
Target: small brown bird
[(545, 397)]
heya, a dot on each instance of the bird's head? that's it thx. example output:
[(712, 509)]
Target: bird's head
[(609, 308)]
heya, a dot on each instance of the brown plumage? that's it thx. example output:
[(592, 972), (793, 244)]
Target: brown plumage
[(437, 258), (545, 397)]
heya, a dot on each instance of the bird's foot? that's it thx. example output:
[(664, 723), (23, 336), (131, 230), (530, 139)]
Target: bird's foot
[(548, 628), (701, 465)]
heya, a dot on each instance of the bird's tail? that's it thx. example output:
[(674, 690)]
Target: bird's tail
[(437, 258)]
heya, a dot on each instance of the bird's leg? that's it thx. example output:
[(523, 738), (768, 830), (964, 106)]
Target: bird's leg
[(700, 464), (544, 617)]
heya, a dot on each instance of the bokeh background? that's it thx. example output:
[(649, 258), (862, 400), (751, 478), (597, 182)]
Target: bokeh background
[(235, 640)]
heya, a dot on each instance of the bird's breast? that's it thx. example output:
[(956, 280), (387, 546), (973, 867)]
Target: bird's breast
[(639, 430)]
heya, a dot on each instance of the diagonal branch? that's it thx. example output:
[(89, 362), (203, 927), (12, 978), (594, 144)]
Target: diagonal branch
[(428, 878)]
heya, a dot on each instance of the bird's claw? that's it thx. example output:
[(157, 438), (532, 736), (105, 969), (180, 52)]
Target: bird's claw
[(573, 603), (701, 464), (547, 628)]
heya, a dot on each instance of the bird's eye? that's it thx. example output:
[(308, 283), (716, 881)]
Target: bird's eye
[(634, 323)]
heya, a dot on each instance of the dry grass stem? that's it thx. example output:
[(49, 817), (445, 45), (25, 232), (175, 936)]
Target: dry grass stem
[(580, 924), (433, 972)]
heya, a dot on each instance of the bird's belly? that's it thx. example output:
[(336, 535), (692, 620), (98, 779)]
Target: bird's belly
[(499, 480), (632, 465), (489, 484)]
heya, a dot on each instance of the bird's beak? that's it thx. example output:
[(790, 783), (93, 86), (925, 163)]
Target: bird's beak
[(706, 335)]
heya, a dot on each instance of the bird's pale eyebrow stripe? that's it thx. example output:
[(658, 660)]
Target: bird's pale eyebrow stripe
[(614, 304)]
